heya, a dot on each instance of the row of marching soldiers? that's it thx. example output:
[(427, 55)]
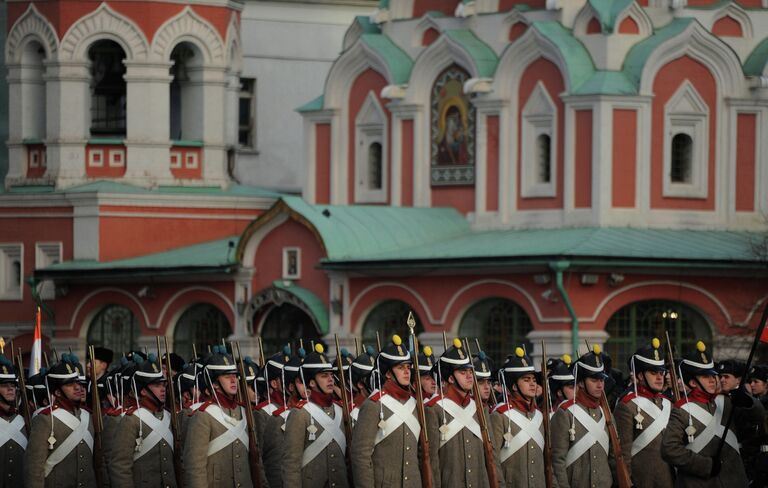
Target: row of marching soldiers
[(381, 419)]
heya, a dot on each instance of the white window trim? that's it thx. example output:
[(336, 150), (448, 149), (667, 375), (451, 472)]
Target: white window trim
[(43, 253), (113, 162), (286, 275), (687, 113), (539, 117), (178, 156), (7, 252), (370, 127), (190, 160), (92, 161), (251, 95)]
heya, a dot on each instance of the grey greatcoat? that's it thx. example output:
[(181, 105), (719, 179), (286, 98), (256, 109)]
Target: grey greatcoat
[(525, 467), (646, 467), (12, 453), (272, 424)]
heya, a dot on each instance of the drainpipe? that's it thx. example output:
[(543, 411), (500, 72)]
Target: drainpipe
[(558, 267)]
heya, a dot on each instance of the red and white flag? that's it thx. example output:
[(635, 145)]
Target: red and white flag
[(37, 346)]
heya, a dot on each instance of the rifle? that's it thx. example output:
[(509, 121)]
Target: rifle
[(23, 388), (378, 341), (347, 417), (425, 464), (98, 425), (549, 473), (254, 456), (175, 430), (490, 466), (672, 371)]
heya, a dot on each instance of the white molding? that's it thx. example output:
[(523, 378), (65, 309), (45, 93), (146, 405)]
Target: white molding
[(188, 26), (86, 324), (252, 246), (46, 254), (9, 252), (32, 25), (644, 24), (514, 17), (286, 251), (737, 13), (171, 330), (539, 118), (371, 127), (416, 295), (427, 22), (103, 23)]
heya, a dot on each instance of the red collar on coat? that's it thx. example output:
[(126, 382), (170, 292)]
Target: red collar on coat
[(453, 393)]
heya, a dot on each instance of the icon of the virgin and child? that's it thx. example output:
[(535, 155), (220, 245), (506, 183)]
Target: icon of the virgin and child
[(453, 131)]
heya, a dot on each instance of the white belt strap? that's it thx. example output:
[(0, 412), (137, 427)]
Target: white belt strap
[(595, 434), (13, 431), (236, 430), (402, 413), (160, 430), (713, 426), (530, 430), (461, 418), (79, 433), (660, 418), (331, 432)]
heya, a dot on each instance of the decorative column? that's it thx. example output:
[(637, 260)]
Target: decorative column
[(213, 84)]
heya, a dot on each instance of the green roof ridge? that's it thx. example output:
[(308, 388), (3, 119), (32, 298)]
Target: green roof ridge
[(635, 60), (577, 59), (398, 62), (757, 59), (368, 27), (608, 11), (484, 56), (310, 299), (313, 105), (607, 83)]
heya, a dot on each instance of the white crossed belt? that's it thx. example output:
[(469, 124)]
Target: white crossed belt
[(713, 426), (595, 434), (461, 418), (236, 430), (79, 433), (13, 431), (530, 430), (331, 432), (160, 430), (660, 418), (402, 413)]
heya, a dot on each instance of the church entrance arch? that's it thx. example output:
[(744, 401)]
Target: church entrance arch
[(284, 314), (203, 325)]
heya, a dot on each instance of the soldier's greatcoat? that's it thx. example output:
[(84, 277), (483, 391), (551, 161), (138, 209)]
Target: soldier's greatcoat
[(574, 467), (694, 460), (152, 465), (213, 463), (302, 465), (643, 446), (75, 469), (13, 442), (273, 422), (458, 459), (522, 457), (387, 457)]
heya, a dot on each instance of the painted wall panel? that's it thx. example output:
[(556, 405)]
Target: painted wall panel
[(624, 151), (492, 164), (746, 148), (582, 191)]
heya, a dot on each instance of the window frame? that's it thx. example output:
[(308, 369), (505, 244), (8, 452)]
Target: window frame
[(286, 252), (251, 126), (10, 252), (539, 117), (370, 128), (687, 113), (44, 252)]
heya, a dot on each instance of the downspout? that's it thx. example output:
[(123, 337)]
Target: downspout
[(558, 267)]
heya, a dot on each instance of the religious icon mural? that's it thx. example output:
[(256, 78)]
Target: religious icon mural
[(452, 119)]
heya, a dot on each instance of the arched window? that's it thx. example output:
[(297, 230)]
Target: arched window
[(114, 327), (370, 155), (499, 325), (108, 89), (543, 157), (538, 139), (201, 324), (637, 323), (374, 166), (33, 92), (389, 318), (186, 93), (682, 156), (286, 324)]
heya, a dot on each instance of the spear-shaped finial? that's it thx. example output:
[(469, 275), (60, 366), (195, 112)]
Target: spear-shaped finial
[(411, 321)]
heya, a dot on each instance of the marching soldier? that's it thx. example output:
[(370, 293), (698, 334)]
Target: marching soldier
[(425, 374), (641, 418), (13, 436), (758, 383), (362, 370), (314, 438), (580, 441), (142, 447), (456, 442), (518, 425), (216, 448), (102, 357), (60, 448), (561, 381), (695, 427), (37, 396), (385, 442)]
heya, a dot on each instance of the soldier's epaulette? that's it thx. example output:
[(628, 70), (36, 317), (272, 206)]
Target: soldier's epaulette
[(279, 411), (566, 404), (130, 410), (300, 404), (377, 396), (502, 407), (432, 401), (48, 410), (205, 405), (681, 402), (261, 405), (628, 397)]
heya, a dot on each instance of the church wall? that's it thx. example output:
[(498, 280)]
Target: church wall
[(746, 149), (407, 162), (462, 198), (583, 160), (624, 150), (420, 7), (323, 163), (492, 185)]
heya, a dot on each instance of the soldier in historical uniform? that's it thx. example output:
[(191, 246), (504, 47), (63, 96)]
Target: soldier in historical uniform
[(37, 395), (60, 448), (518, 429), (425, 374), (142, 447), (315, 444), (455, 439), (758, 383), (362, 370), (561, 381), (581, 451), (385, 442), (641, 418), (483, 367), (13, 435), (216, 447), (696, 425), (102, 358)]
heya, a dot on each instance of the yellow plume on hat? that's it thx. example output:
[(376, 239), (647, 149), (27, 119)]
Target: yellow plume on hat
[(396, 340), (567, 359), (427, 351), (700, 346), (319, 348), (596, 349), (656, 343), (457, 343), (519, 352)]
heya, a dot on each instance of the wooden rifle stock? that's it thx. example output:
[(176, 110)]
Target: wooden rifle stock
[(549, 474), (347, 417), (254, 456), (425, 464), (672, 371), (23, 388), (175, 430), (98, 425), (490, 466)]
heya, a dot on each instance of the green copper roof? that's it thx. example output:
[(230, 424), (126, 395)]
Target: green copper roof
[(481, 53), (606, 83), (313, 105), (366, 26), (757, 59), (383, 4), (640, 52), (398, 63), (608, 10), (577, 59), (313, 302)]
